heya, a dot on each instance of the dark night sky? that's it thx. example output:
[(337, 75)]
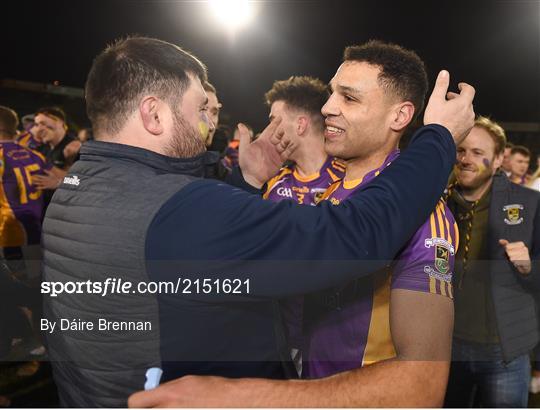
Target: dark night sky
[(493, 45)]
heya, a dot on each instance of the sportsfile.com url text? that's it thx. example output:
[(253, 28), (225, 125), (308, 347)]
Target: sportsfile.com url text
[(117, 286)]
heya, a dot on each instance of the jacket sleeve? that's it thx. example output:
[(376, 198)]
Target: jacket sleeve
[(236, 179), (216, 231)]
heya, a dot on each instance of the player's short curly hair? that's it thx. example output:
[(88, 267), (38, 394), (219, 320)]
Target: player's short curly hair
[(402, 71)]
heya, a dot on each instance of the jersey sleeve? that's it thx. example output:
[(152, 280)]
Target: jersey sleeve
[(273, 181), (426, 263)]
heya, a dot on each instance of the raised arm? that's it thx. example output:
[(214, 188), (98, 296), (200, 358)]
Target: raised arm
[(287, 249)]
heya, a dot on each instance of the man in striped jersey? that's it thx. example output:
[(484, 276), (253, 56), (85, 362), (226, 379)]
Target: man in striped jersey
[(379, 319), (298, 101), (21, 203)]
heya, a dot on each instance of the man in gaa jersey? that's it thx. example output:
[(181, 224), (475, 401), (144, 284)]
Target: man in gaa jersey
[(380, 84), (21, 203), (298, 101)]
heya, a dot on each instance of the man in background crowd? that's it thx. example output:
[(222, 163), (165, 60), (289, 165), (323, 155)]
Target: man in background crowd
[(27, 138), (59, 147), (213, 108), (506, 167), (496, 325), (21, 205), (85, 134), (520, 158), (231, 153), (21, 209)]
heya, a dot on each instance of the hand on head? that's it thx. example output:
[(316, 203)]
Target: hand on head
[(261, 159)]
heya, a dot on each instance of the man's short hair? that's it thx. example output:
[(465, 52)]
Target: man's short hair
[(402, 71), (55, 112), (495, 131), (209, 87), (130, 68), (509, 145), (9, 121), (520, 149), (304, 93)]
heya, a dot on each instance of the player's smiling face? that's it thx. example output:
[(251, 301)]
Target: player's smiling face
[(358, 112), (476, 159)]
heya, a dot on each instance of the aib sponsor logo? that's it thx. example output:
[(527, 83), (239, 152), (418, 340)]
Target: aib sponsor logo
[(285, 192)]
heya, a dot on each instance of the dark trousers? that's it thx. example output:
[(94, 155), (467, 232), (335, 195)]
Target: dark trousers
[(480, 377)]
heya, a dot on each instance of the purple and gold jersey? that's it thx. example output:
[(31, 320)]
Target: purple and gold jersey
[(288, 184), (21, 205), (349, 327), (27, 140)]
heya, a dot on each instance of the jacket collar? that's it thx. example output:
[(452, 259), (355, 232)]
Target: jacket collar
[(188, 166), (500, 182)]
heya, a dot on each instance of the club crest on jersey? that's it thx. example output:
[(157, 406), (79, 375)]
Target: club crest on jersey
[(513, 216), (318, 195), (443, 250), (442, 259)]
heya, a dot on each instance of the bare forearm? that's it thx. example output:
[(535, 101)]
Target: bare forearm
[(391, 383)]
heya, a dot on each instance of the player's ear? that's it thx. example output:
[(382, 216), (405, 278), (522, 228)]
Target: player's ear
[(151, 110), (302, 123), (403, 115)]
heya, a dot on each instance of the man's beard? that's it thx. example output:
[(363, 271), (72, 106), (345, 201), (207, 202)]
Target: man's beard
[(480, 180), (185, 140)]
